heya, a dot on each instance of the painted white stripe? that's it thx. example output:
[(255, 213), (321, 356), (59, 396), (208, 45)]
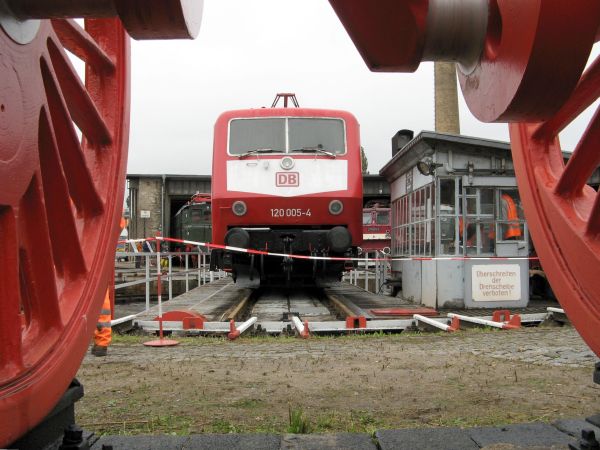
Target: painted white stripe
[(260, 176), (375, 236)]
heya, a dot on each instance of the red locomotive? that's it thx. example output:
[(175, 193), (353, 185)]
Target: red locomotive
[(286, 180), (376, 227)]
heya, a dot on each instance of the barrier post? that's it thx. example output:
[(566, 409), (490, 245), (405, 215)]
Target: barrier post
[(169, 259), (187, 278), (367, 271), (200, 266), (147, 260), (161, 341)]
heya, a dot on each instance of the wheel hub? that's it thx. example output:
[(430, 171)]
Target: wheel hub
[(11, 114), (20, 31)]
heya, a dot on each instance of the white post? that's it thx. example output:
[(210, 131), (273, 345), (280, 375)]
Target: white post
[(159, 279), (203, 268), (170, 277), (366, 271), (200, 265), (147, 262), (187, 277)]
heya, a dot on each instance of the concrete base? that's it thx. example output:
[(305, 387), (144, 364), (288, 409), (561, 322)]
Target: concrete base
[(520, 436)]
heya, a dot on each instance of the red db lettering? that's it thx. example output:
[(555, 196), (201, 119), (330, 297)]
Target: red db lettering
[(287, 179)]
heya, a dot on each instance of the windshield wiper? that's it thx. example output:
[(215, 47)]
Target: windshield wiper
[(255, 152), (317, 149)]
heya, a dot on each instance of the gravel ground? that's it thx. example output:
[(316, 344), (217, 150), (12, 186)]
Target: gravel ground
[(354, 384)]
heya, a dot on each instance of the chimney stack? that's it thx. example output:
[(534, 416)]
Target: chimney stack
[(446, 98)]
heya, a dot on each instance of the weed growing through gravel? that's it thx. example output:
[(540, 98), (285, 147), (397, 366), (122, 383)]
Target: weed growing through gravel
[(299, 423)]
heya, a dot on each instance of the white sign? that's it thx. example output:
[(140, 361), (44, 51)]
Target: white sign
[(497, 282), (144, 214)]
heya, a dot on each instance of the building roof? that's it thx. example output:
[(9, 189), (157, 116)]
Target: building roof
[(411, 153)]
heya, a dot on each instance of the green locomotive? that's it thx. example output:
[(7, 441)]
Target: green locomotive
[(193, 220)]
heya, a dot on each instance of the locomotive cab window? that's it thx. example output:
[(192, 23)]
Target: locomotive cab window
[(317, 134), (287, 135), (246, 135), (383, 217)]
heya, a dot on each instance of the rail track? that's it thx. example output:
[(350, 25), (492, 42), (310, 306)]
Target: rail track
[(222, 308)]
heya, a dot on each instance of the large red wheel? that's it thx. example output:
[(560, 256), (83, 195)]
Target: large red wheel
[(562, 211), (518, 62), (60, 202)]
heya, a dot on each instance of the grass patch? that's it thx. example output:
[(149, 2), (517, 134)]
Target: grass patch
[(247, 403), (166, 424), (137, 338), (221, 426), (299, 423)]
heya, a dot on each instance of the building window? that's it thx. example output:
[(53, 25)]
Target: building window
[(510, 219), (448, 216), (414, 223)]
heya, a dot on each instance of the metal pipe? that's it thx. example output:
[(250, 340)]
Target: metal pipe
[(187, 277), (432, 322), (122, 320), (162, 206), (159, 290), (170, 277), (298, 324), (147, 258), (456, 31), (477, 320), (247, 324)]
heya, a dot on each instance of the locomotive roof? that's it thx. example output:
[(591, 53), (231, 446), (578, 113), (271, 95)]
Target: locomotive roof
[(285, 112)]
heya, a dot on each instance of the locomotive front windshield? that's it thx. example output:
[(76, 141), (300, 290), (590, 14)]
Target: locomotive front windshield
[(287, 135)]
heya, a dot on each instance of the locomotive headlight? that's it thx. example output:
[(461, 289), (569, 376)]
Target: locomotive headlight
[(287, 163), (239, 208), (336, 207)]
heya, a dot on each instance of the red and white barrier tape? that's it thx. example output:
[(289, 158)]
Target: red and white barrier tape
[(332, 258)]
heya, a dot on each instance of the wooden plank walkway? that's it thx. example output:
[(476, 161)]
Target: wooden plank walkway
[(361, 302), (210, 300)]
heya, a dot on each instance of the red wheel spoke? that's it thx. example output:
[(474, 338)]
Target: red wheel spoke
[(59, 207), (586, 93), (75, 39), (583, 162), (81, 106), (593, 226), (81, 186), (67, 254), (40, 297), (10, 313)]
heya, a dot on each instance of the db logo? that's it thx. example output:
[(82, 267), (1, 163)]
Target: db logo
[(289, 179)]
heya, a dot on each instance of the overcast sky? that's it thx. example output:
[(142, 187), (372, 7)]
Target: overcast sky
[(246, 52)]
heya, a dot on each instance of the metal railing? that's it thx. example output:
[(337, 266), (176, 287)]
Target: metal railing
[(146, 266), (371, 273)]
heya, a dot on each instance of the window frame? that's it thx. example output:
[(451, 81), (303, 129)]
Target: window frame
[(287, 134)]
